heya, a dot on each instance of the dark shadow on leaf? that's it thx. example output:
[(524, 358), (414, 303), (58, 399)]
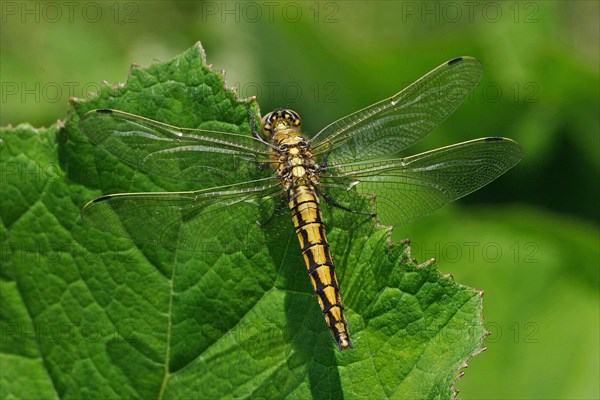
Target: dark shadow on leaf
[(312, 346)]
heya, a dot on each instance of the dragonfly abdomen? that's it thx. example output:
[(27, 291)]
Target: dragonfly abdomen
[(310, 230)]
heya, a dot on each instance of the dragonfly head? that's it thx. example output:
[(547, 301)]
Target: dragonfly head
[(279, 120)]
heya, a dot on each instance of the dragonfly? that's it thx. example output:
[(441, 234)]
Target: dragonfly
[(244, 178)]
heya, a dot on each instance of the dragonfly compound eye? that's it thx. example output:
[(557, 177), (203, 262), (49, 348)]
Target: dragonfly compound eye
[(293, 117), (267, 125), (278, 120)]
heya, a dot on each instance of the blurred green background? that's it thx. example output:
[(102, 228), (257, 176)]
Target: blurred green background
[(530, 240)]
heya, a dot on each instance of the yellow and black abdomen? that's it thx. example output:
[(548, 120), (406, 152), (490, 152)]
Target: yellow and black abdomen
[(310, 230)]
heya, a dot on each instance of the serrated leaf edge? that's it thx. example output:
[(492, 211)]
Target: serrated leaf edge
[(133, 66)]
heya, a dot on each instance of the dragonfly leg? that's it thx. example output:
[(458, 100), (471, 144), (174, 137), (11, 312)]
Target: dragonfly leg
[(253, 125), (333, 203), (254, 131)]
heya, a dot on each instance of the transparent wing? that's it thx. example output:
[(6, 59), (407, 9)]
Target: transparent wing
[(225, 219), (408, 188), (190, 155), (393, 124)]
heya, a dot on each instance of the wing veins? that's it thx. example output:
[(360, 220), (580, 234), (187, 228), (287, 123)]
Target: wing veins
[(188, 220), (397, 122), (408, 188)]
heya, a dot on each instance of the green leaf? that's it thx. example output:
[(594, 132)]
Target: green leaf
[(89, 315)]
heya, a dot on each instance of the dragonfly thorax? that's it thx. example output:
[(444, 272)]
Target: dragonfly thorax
[(295, 164)]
